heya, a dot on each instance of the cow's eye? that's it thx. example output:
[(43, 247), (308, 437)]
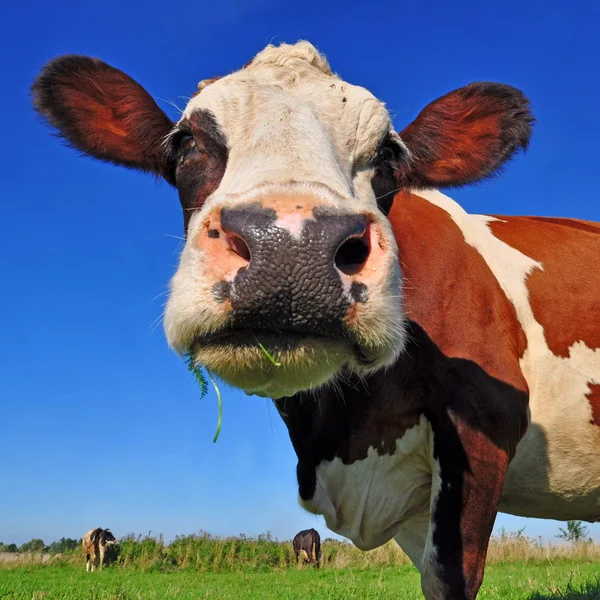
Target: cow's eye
[(389, 152), (184, 141)]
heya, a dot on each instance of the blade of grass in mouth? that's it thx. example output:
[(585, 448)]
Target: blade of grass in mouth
[(220, 403), (268, 355), (196, 370)]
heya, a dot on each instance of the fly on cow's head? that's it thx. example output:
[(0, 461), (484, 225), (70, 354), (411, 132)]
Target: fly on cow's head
[(286, 174)]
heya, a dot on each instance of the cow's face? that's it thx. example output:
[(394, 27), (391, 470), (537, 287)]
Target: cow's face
[(289, 247), (109, 538), (285, 175)]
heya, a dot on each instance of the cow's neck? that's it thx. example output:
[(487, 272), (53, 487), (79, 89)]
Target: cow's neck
[(346, 419), (341, 432)]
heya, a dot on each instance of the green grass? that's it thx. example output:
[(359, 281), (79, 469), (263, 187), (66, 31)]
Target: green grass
[(566, 580)]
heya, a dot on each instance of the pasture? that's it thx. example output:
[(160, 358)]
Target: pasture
[(200, 566), (567, 580)]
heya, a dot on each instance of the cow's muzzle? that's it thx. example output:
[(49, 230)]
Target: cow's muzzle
[(291, 282)]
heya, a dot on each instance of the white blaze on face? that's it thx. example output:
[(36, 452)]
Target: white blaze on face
[(293, 223), (287, 118)]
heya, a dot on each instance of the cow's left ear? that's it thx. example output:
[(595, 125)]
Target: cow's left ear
[(465, 136), (103, 112)]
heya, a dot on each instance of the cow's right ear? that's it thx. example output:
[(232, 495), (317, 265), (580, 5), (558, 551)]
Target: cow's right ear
[(103, 112)]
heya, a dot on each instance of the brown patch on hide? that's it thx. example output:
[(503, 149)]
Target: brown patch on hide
[(452, 293), (564, 293), (593, 397)]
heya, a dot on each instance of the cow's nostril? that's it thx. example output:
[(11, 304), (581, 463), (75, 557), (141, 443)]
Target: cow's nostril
[(352, 255), (239, 246)]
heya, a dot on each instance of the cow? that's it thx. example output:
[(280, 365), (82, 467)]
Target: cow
[(432, 367), (94, 543), (307, 547)]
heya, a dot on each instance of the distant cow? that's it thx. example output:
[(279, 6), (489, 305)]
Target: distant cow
[(94, 544), (307, 547)]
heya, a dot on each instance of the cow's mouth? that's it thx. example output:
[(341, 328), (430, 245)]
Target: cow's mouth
[(275, 363), (276, 340)]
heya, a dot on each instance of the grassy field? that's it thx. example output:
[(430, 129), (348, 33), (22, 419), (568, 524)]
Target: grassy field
[(204, 567), (565, 580)]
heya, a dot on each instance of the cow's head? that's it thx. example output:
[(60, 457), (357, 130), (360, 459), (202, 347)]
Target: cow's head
[(285, 174), (108, 538)]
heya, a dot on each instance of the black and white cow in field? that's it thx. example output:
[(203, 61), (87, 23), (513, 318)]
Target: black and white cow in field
[(94, 544)]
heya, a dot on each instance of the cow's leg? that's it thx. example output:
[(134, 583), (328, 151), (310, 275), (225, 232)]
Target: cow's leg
[(102, 550), (87, 563), (304, 556), (466, 488)]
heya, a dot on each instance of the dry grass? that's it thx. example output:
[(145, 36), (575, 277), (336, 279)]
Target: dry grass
[(516, 547), (19, 559)]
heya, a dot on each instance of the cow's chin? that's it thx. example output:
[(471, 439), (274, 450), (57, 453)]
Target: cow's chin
[(291, 363)]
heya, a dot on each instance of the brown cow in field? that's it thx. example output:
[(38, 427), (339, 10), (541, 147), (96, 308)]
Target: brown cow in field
[(94, 544), (307, 547), (432, 366)]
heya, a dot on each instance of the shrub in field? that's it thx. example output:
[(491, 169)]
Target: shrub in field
[(203, 552), (140, 551), (575, 532), (35, 545), (63, 546)]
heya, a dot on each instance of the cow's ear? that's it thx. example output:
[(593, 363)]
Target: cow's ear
[(103, 112), (465, 136)]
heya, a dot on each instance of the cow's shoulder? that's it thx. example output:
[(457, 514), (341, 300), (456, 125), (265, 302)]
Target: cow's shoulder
[(460, 284)]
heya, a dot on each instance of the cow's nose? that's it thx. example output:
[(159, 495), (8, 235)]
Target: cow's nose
[(340, 240), (352, 246)]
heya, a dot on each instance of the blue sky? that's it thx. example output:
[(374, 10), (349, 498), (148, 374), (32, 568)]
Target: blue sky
[(100, 422)]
